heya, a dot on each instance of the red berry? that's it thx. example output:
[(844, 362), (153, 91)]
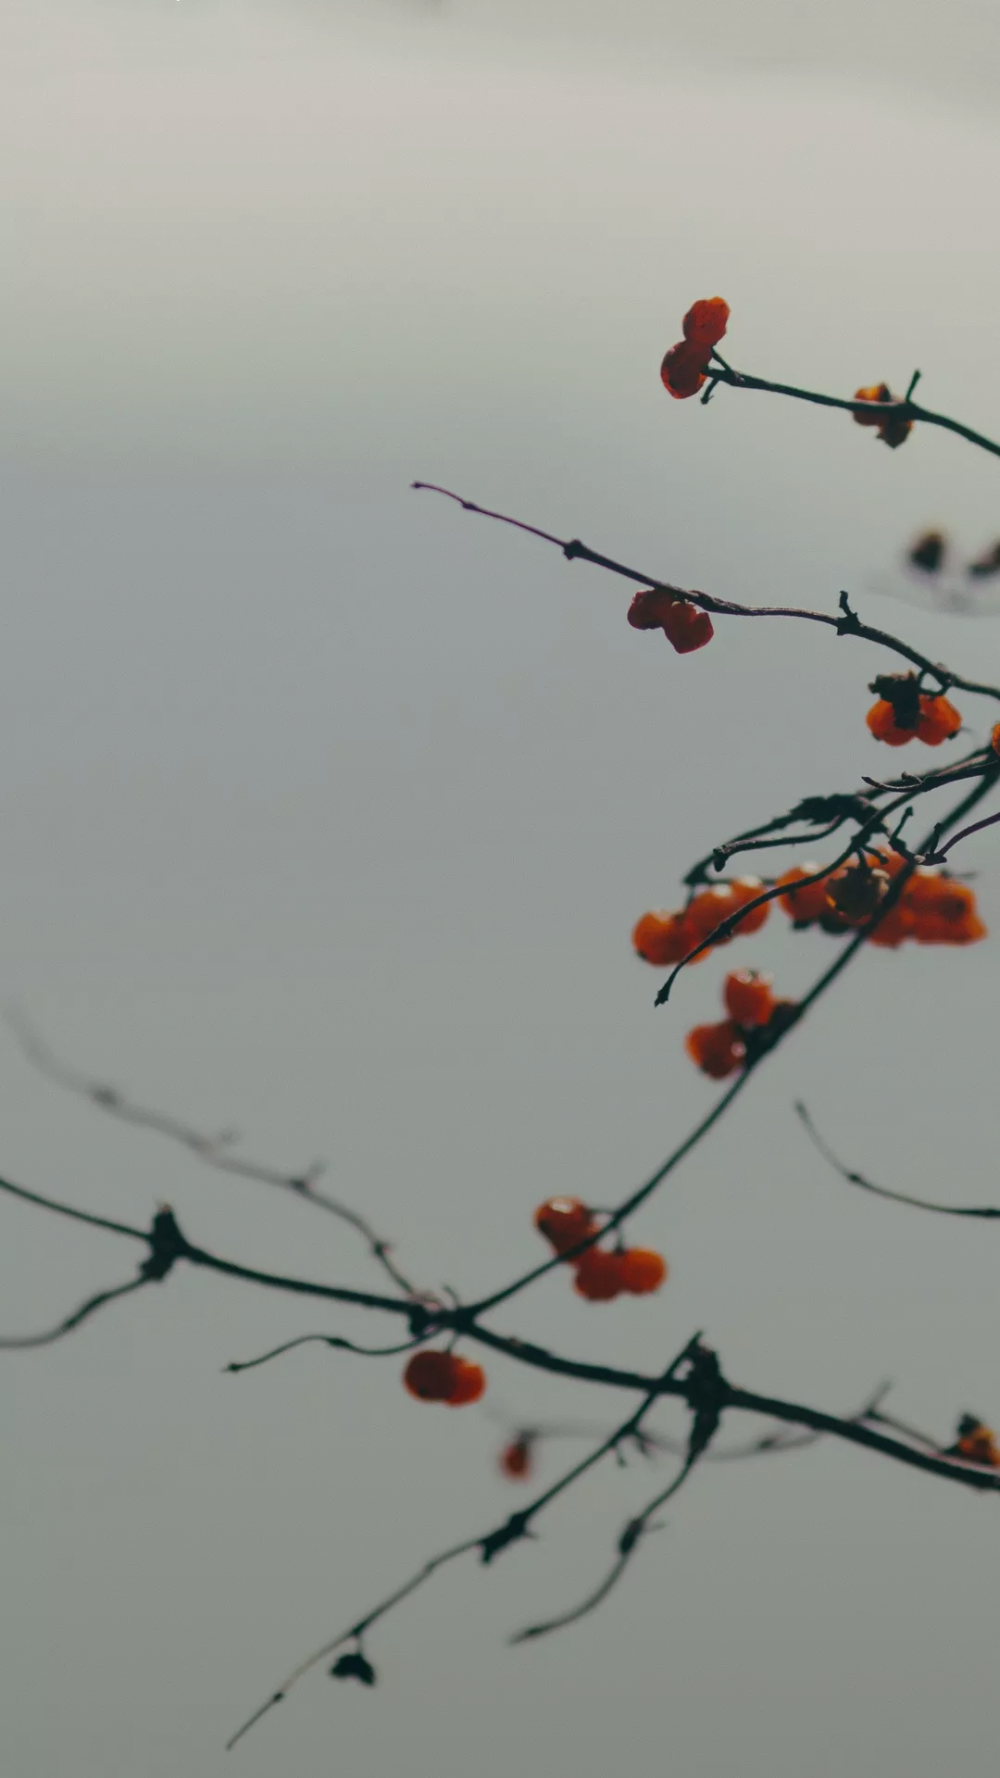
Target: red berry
[(718, 1050), (467, 1384), (564, 1222), (687, 627), (748, 997), (430, 1376), (663, 938), (682, 370), (642, 1270), (515, 1459), (599, 1276), (995, 739), (706, 321), (649, 607)]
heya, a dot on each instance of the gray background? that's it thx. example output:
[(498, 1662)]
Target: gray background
[(327, 810)]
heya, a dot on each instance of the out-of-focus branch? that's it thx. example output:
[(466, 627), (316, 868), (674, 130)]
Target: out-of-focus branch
[(984, 1212), (513, 1530), (214, 1151)]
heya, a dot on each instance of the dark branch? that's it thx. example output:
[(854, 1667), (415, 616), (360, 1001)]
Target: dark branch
[(902, 410), (984, 1212), (213, 1150), (847, 624)]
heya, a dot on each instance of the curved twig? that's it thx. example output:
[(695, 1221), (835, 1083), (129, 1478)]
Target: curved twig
[(25, 1342), (847, 624), (984, 1212), (211, 1150)]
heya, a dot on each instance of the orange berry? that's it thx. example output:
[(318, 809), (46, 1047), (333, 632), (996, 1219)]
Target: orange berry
[(663, 938), (893, 429), (687, 627), (718, 1049), (995, 739), (642, 1270), (564, 1222), (894, 926), (873, 392), (804, 905), (706, 321), (599, 1276), (708, 909), (942, 911), (682, 370), (881, 719), (515, 1459), (743, 890), (430, 1376), (649, 607), (748, 997), (467, 1384), (939, 721), (978, 1445)]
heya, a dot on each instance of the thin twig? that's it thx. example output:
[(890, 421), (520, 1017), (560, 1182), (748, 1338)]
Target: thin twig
[(902, 410), (24, 1342), (984, 1212), (847, 624), (515, 1528), (211, 1150)]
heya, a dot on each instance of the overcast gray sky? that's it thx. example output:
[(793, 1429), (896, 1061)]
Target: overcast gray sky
[(327, 811)]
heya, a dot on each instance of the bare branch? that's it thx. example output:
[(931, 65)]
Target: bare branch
[(984, 1212), (514, 1530), (213, 1150), (902, 410), (847, 624)]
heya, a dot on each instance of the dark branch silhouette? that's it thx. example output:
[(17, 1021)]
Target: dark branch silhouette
[(213, 1150), (985, 1212), (904, 409)]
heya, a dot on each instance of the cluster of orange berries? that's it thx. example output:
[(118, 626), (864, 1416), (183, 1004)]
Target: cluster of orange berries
[(905, 713), (685, 626), (443, 1376), (720, 1049), (662, 937), (933, 909), (893, 429), (601, 1273), (682, 372)]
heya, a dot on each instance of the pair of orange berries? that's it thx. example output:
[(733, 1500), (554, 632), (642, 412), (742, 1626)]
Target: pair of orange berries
[(443, 1376), (720, 1049), (682, 372), (893, 429), (662, 937), (601, 1273), (685, 626), (934, 719)]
